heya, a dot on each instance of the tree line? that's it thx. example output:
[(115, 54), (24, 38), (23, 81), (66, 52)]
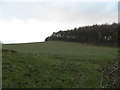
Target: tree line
[(104, 34)]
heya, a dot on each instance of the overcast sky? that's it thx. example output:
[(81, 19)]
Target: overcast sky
[(34, 21)]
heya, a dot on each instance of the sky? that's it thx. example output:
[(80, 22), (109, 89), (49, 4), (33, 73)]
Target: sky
[(33, 20)]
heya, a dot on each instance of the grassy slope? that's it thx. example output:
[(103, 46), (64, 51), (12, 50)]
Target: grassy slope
[(55, 64)]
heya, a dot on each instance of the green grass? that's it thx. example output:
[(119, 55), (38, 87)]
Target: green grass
[(55, 64)]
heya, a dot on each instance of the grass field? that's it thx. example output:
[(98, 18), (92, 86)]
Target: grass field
[(55, 64)]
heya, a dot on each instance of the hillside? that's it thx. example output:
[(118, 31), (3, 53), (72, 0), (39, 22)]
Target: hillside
[(55, 64)]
